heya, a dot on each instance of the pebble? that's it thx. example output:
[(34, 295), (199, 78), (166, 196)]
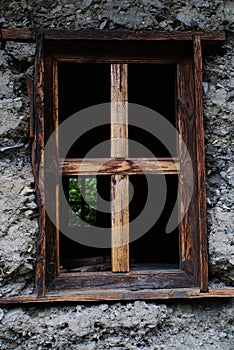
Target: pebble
[(86, 4), (26, 190), (205, 86), (13, 312), (31, 205), (103, 24), (28, 213)]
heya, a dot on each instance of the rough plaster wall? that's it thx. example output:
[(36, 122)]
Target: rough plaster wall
[(193, 325)]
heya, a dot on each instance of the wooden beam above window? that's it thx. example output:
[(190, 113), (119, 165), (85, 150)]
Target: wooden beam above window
[(28, 35)]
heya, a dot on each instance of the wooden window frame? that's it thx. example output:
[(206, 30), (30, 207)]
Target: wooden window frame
[(190, 280)]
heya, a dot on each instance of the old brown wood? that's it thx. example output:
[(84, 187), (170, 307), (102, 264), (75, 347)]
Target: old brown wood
[(193, 263), (56, 258), (200, 153), (51, 193), (17, 34), (28, 35), (189, 239), (39, 164), (128, 35), (119, 183), (109, 166), (115, 295), (135, 280)]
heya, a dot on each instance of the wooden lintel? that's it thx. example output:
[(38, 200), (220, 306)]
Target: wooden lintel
[(18, 34), (61, 34), (111, 166), (115, 295), (28, 35)]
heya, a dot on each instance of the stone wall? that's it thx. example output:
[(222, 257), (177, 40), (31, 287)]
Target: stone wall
[(139, 325)]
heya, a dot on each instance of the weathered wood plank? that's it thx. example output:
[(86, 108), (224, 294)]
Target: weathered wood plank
[(119, 183), (120, 223), (58, 34), (133, 280), (115, 295), (28, 35), (39, 163), (159, 52), (18, 34), (110, 166), (51, 191), (119, 111), (201, 175), (189, 240), (56, 256)]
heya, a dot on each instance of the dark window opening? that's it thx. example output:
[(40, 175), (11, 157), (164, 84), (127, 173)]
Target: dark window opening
[(82, 195), (152, 86), (155, 247), (81, 86)]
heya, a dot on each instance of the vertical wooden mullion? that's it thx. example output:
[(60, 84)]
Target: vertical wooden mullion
[(39, 163), (119, 183), (200, 163)]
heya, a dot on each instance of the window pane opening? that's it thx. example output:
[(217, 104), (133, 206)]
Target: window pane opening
[(84, 212), (81, 86), (152, 86), (156, 248)]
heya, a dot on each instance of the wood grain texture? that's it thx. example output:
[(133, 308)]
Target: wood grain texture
[(50, 180), (58, 34), (119, 111), (200, 153), (90, 295), (119, 183), (120, 223), (119, 166), (56, 184), (189, 235), (39, 163), (133, 280), (28, 35), (111, 166), (18, 34)]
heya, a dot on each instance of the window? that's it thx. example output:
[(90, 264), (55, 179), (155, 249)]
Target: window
[(162, 72)]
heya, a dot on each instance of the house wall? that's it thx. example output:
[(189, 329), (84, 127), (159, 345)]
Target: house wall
[(137, 325)]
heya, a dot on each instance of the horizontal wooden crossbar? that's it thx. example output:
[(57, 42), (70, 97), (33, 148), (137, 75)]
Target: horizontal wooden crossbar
[(28, 35), (111, 166)]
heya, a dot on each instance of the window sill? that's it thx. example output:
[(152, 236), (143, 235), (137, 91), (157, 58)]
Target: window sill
[(131, 281), (90, 295)]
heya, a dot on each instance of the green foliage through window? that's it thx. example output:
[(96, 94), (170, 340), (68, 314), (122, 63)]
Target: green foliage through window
[(83, 200)]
